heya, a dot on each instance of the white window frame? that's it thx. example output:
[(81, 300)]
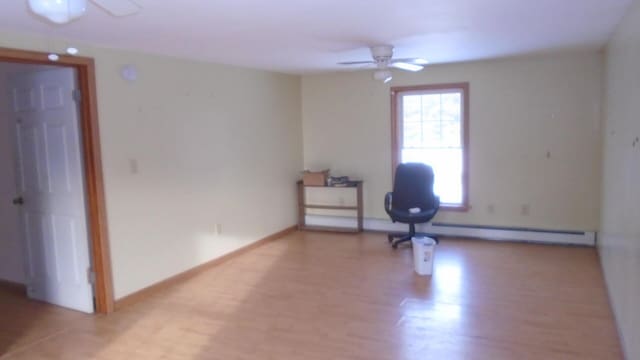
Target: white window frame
[(397, 125)]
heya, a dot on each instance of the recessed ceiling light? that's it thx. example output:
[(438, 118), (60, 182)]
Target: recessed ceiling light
[(72, 51), (53, 57)]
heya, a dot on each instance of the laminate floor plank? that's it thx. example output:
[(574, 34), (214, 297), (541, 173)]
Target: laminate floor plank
[(313, 295)]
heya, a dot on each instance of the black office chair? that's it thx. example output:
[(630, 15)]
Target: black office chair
[(412, 188)]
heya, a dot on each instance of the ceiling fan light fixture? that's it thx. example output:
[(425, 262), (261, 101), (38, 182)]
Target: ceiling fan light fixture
[(58, 11), (382, 75)]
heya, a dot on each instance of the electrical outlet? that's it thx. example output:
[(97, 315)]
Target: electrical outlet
[(524, 211), (491, 209)]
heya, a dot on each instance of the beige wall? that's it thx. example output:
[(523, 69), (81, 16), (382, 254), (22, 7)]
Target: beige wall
[(213, 145), (520, 110), (620, 223)]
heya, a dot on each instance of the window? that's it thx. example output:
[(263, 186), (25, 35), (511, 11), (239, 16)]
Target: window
[(430, 125)]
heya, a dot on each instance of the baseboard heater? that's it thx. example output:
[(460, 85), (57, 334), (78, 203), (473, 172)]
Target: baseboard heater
[(566, 237)]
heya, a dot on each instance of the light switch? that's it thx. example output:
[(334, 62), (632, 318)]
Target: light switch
[(133, 166)]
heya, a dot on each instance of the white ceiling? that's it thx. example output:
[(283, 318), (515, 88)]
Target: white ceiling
[(302, 36)]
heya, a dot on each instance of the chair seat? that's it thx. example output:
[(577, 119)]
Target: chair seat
[(406, 217)]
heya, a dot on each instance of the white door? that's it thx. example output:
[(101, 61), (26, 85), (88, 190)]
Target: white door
[(50, 186)]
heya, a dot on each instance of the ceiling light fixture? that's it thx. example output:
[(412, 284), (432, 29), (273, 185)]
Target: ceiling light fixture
[(383, 75), (58, 11), (72, 51), (53, 57)]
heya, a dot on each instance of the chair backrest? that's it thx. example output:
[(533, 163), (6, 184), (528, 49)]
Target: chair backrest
[(413, 187)]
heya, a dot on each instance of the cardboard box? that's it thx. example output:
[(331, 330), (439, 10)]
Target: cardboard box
[(317, 178)]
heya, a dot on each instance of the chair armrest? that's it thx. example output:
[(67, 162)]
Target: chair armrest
[(387, 201), (387, 205)]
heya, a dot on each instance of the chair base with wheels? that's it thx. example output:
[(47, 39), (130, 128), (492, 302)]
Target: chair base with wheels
[(404, 237)]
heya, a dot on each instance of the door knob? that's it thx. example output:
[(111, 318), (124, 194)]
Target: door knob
[(18, 201)]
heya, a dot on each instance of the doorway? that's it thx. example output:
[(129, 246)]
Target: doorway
[(91, 173)]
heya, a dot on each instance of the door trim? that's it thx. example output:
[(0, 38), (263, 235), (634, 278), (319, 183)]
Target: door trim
[(90, 136)]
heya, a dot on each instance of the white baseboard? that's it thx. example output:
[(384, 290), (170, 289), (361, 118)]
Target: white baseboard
[(585, 238)]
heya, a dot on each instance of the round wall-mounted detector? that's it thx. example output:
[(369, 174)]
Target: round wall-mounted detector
[(72, 51), (129, 72), (53, 57)]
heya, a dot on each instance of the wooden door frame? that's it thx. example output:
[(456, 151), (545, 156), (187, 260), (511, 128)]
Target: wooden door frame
[(90, 136)]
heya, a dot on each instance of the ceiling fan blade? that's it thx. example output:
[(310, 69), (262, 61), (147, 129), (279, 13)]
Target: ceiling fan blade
[(356, 62), (417, 61), (118, 7), (407, 66)]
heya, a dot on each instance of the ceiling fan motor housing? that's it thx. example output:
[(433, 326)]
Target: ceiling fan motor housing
[(382, 53)]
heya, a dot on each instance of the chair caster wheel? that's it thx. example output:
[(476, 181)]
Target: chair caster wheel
[(389, 238), (394, 245)]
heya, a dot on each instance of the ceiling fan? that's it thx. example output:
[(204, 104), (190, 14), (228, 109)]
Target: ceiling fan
[(63, 11), (383, 60)]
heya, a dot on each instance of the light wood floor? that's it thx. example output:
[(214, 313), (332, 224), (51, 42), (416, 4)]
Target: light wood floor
[(327, 296)]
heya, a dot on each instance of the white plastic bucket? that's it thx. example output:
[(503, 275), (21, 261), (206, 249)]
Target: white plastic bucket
[(423, 252)]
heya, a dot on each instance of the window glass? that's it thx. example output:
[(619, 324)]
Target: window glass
[(430, 126)]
